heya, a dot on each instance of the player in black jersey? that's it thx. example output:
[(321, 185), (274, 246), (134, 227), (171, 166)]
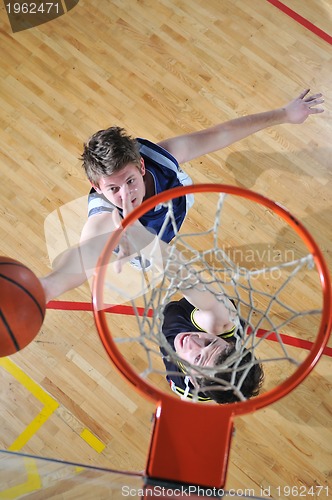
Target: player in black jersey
[(204, 337)]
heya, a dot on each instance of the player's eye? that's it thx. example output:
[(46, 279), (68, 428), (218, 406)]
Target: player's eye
[(197, 359)]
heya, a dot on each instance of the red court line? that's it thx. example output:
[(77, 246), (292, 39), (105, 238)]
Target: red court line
[(301, 20), (294, 342), (64, 305), (128, 310)]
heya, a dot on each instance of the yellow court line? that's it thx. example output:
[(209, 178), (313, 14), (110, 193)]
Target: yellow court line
[(92, 440), (50, 404), (32, 428), (32, 482), (27, 382)]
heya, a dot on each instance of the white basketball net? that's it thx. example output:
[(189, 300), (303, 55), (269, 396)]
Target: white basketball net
[(271, 281)]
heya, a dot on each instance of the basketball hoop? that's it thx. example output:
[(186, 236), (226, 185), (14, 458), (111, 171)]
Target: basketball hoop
[(269, 290)]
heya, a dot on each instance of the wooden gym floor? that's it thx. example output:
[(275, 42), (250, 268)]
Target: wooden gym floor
[(158, 69)]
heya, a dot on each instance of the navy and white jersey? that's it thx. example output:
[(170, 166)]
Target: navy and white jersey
[(179, 318), (166, 174)]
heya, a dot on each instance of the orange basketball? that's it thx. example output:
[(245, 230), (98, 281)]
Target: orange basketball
[(22, 306)]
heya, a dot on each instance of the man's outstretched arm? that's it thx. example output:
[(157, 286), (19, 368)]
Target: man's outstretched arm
[(77, 264), (189, 146)]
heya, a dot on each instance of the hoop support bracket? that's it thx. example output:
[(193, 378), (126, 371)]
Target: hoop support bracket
[(192, 442)]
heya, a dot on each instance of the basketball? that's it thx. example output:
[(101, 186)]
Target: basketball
[(22, 306)]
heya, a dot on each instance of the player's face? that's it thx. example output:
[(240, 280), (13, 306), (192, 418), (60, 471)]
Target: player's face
[(200, 348), (128, 181)]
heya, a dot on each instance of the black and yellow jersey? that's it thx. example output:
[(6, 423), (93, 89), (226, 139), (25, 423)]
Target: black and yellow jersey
[(179, 318)]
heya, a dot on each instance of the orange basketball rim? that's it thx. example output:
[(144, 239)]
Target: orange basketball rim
[(179, 454)]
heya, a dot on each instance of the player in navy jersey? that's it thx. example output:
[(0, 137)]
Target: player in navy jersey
[(115, 162), (205, 336), (161, 171)]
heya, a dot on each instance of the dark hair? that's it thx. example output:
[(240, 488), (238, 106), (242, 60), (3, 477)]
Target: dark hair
[(250, 386), (108, 151)]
